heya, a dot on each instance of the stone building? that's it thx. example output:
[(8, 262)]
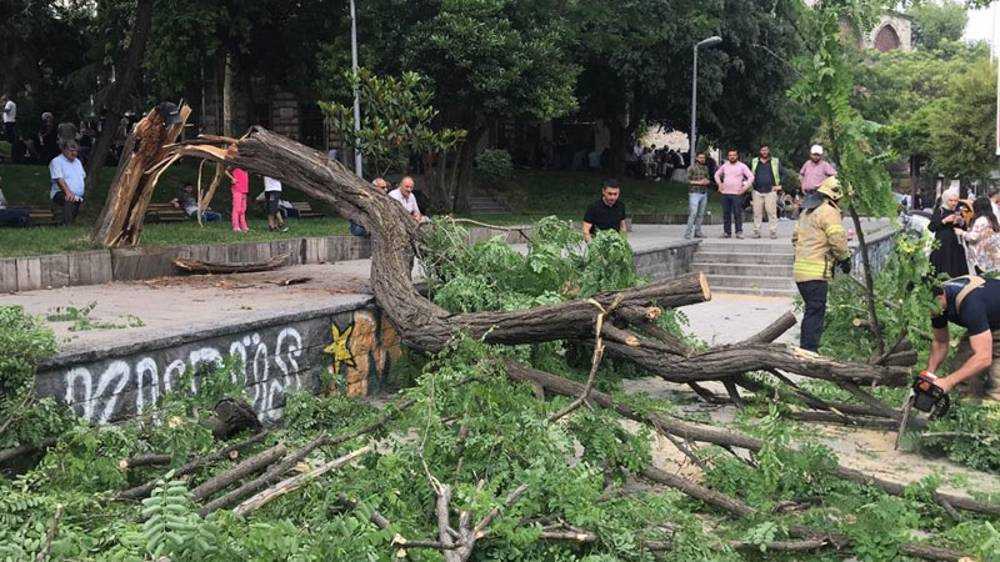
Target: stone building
[(893, 31)]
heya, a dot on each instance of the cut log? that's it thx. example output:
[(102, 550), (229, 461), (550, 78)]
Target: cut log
[(231, 417), (296, 482), (144, 490), (252, 465), (205, 267)]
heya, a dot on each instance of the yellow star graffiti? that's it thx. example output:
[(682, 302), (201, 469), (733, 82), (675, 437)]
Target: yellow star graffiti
[(338, 348)]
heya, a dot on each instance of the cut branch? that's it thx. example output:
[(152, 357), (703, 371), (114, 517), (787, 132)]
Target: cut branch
[(296, 482)]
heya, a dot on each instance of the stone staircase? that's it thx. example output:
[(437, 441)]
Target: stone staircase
[(483, 203), (747, 266)]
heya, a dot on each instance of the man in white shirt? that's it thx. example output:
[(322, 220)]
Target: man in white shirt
[(272, 197), (9, 109), (404, 194), (68, 176)]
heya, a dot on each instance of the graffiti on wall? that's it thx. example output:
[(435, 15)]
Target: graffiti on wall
[(272, 362), (361, 351)]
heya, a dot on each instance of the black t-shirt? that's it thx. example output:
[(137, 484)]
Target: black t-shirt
[(763, 179), (980, 310), (603, 217)]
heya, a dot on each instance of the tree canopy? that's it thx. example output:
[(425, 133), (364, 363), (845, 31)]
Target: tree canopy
[(937, 21)]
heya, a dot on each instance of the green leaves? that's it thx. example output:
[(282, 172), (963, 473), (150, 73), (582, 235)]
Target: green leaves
[(172, 526), (396, 120)]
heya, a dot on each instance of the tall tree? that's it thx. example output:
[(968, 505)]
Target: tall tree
[(488, 60), (961, 125), (637, 60), (937, 21), (113, 100)]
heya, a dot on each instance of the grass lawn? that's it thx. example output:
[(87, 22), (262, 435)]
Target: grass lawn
[(531, 195), (568, 194)]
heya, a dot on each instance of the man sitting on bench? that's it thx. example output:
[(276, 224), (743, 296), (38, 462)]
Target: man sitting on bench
[(13, 217), (186, 200)]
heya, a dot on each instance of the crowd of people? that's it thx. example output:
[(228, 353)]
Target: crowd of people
[(41, 146), (758, 186)]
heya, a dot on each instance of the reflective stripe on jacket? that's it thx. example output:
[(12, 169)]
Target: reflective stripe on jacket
[(820, 242)]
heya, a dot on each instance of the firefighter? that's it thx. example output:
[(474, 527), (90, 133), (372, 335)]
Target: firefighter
[(820, 245)]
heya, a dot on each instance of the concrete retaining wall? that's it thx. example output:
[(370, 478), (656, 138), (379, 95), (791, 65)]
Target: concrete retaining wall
[(131, 264), (666, 263), (32, 273), (353, 347)]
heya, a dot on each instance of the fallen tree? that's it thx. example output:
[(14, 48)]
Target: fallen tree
[(428, 327)]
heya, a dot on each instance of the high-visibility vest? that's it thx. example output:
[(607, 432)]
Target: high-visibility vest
[(774, 169)]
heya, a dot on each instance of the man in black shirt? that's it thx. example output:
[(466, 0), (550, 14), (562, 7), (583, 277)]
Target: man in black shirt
[(607, 213), (973, 303)]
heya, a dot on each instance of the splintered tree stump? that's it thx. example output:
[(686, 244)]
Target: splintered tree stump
[(428, 327), (121, 219)]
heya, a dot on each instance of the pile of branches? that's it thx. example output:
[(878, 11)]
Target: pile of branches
[(488, 456)]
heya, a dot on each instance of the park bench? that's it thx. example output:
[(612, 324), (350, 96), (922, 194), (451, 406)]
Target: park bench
[(40, 216), (305, 210), (165, 212)]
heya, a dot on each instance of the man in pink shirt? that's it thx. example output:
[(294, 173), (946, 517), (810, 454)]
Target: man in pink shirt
[(815, 170), (733, 178)]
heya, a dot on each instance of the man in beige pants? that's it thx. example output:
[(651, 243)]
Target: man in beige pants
[(766, 188)]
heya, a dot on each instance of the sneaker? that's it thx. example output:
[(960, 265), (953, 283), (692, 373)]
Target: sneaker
[(700, 235), (756, 234), (283, 229), (727, 235), (774, 236), (739, 236)]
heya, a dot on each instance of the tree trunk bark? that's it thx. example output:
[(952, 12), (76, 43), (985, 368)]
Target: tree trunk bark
[(117, 94)]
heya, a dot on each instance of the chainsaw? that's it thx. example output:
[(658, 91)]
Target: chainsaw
[(926, 396)]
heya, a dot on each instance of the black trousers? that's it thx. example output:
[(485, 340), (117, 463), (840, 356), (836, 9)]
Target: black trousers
[(10, 135), (732, 210), (814, 296), (65, 209)]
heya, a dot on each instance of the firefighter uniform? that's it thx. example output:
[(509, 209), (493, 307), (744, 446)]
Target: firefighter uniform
[(820, 245)]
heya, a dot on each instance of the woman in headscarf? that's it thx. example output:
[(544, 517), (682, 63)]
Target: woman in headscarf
[(949, 256), (983, 239)]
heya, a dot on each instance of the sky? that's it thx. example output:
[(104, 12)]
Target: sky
[(980, 26)]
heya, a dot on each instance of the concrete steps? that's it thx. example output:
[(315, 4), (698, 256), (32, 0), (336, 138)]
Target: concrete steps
[(747, 267), (717, 269), (485, 205)]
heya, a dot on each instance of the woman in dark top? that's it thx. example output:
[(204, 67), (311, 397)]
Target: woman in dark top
[(949, 256)]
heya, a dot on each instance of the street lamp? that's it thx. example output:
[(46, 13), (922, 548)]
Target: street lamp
[(710, 42), (357, 100)]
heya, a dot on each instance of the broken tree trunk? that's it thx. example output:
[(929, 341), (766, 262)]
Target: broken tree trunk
[(426, 326), (121, 219)]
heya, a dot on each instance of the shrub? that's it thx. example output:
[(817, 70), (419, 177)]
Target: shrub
[(494, 164)]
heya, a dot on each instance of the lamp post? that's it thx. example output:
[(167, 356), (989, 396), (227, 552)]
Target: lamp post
[(709, 42), (357, 100)]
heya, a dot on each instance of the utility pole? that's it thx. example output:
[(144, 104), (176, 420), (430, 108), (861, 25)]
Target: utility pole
[(357, 99), (709, 42)]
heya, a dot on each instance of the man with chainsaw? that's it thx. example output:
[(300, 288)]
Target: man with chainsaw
[(820, 245), (973, 303)]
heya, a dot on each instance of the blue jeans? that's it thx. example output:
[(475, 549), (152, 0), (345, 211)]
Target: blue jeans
[(696, 212), (732, 211), (210, 216), (357, 230)]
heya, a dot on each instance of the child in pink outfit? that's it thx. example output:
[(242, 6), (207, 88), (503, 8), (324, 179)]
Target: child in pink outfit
[(240, 189)]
